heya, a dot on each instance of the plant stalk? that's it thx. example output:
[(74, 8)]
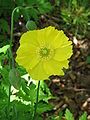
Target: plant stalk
[(10, 49), (37, 96), (11, 58)]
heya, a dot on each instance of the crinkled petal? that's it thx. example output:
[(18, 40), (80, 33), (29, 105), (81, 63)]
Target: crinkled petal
[(63, 53), (48, 32), (51, 33), (64, 64), (55, 38), (27, 56), (38, 72), (53, 67), (59, 39), (29, 37), (41, 37), (45, 36)]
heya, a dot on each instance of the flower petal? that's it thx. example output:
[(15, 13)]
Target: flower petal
[(38, 72), (27, 57), (45, 35), (51, 33), (55, 38), (59, 39), (53, 67), (64, 64), (63, 53), (29, 37), (41, 37)]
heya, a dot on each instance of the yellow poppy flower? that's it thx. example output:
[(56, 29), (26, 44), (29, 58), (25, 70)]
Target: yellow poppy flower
[(44, 52)]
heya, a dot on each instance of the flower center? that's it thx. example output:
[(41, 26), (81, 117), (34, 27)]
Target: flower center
[(44, 52)]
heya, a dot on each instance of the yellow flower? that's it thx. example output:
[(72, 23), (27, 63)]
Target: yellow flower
[(44, 52)]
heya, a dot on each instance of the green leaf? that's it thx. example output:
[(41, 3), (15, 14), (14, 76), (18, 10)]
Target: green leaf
[(84, 116), (29, 13), (24, 87), (60, 115), (32, 92), (20, 111), (88, 59), (4, 49), (74, 2), (45, 93), (28, 93), (21, 106), (22, 96), (44, 8), (33, 13), (31, 25), (43, 107), (14, 78), (4, 72), (19, 2), (4, 25), (31, 2), (68, 115)]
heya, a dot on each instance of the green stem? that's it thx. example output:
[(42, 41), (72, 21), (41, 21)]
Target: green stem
[(10, 50), (11, 37), (36, 100)]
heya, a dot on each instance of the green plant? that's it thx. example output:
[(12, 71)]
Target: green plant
[(33, 9), (19, 102), (22, 99), (68, 116), (75, 15), (88, 59), (10, 77), (83, 116)]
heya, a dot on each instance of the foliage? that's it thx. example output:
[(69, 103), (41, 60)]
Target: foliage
[(84, 116), (68, 116), (75, 15), (88, 59), (23, 100), (32, 10), (23, 95)]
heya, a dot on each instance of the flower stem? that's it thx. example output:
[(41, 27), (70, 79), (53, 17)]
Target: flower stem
[(11, 58), (37, 96), (11, 37)]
